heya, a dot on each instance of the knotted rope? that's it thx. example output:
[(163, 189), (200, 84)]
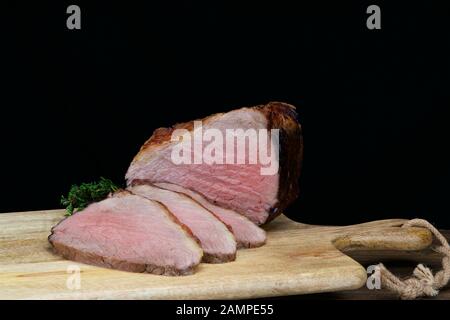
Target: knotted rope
[(422, 282)]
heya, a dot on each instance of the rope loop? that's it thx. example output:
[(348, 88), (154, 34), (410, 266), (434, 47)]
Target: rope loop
[(422, 282)]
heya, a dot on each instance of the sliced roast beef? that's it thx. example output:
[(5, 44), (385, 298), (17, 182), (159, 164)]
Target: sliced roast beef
[(238, 186), (129, 233), (247, 234), (216, 240)]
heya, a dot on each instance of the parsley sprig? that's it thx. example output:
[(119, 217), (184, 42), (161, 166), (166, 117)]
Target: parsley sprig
[(79, 197)]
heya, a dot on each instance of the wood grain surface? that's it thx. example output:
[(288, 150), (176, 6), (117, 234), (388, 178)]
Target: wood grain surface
[(401, 263), (297, 259)]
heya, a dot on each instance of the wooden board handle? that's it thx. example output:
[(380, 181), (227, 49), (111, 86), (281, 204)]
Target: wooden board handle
[(385, 238)]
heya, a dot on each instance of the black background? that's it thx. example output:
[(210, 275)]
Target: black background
[(374, 104)]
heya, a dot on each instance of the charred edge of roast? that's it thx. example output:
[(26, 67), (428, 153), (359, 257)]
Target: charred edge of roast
[(163, 135), (248, 245), (74, 254), (284, 117), (214, 258)]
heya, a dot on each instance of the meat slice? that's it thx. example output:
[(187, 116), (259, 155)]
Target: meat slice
[(247, 234), (129, 233), (216, 240), (237, 186)]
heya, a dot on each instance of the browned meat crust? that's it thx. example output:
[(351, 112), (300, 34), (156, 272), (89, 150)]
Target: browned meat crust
[(284, 117), (92, 259)]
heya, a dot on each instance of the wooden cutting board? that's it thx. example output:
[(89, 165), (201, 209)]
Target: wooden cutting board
[(297, 259)]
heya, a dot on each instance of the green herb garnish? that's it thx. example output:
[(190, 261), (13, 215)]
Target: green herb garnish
[(79, 197)]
